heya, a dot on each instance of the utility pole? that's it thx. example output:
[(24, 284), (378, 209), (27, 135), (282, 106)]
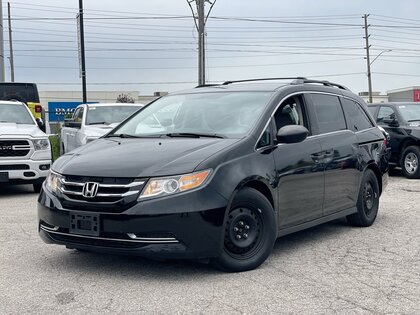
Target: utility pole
[(369, 75), (200, 19), (81, 37), (201, 43), (1, 44), (12, 63)]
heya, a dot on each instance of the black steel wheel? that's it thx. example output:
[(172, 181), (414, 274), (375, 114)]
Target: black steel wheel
[(250, 232), (368, 201)]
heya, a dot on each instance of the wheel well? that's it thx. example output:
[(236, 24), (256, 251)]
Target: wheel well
[(262, 188), (378, 175), (406, 144)]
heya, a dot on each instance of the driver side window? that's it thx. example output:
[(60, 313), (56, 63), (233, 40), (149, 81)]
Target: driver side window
[(290, 112)]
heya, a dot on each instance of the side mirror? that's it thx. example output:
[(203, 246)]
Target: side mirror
[(292, 134), (40, 124), (393, 122), (166, 122), (71, 123)]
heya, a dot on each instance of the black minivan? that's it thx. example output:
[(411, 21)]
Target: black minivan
[(219, 172)]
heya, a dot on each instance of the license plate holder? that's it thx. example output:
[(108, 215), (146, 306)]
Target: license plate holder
[(4, 177), (84, 223)]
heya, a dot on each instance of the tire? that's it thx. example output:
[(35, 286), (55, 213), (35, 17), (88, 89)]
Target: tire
[(410, 162), (250, 232), (37, 187), (367, 202)]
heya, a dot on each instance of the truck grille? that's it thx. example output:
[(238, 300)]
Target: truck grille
[(14, 148), (112, 195), (14, 167)]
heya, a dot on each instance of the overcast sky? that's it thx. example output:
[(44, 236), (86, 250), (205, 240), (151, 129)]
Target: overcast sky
[(152, 44)]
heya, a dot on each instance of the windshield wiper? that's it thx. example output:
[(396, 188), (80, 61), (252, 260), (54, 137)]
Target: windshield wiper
[(413, 120), (193, 135), (122, 135)]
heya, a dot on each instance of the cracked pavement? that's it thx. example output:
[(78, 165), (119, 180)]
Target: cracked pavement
[(329, 269)]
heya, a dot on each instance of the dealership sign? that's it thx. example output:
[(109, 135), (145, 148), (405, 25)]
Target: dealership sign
[(57, 111), (416, 95)]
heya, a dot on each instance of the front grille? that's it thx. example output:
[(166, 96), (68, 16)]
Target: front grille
[(14, 148), (113, 194), (14, 167)]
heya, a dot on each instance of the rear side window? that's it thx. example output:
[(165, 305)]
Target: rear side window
[(356, 116), (329, 114)]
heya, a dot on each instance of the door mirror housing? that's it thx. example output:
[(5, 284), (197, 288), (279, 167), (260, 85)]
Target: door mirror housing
[(71, 123), (40, 124), (392, 122), (292, 134)]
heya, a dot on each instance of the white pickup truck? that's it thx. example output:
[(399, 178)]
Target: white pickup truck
[(91, 121), (25, 151)]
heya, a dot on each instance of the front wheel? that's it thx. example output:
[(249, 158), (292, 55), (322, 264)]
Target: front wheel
[(410, 162), (250, 232), (367, 202)]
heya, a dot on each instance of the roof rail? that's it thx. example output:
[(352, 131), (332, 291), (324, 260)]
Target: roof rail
[(206, 85), (324, 82), (264, 79)]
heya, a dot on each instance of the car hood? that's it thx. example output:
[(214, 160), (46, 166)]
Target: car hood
[(98, 130), (149, 157), (12, 129)]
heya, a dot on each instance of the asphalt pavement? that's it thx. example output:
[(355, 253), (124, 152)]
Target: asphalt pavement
[(332, 268)]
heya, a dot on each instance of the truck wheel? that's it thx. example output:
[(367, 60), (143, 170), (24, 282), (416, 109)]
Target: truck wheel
[(410, 162), (37, 187), (367, 202), (250, 232)]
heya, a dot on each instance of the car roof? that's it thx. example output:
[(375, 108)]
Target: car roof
[(269, 85), (11, 103), (394, 103)]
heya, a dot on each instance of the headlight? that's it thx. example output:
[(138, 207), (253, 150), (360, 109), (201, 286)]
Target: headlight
[(53, 181), (41, 144), (171, 185)]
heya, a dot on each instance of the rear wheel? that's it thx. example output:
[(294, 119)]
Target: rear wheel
[(250, 232), (367, 202), (410, 162)]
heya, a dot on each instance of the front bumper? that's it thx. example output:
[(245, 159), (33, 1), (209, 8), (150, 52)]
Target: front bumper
[(167, 233), (25, 170)]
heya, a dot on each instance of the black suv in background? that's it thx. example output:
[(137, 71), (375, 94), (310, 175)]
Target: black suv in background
[(402, 122), (219, 172)]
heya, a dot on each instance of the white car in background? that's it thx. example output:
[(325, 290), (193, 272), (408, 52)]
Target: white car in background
[(25, 151), (91, 121)]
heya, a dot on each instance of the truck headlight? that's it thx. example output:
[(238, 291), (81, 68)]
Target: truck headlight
[(53, 182), (41, 144), (164, 186)]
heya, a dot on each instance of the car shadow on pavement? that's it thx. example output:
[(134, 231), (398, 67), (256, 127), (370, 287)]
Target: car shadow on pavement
[(135, 267), (7, 190)]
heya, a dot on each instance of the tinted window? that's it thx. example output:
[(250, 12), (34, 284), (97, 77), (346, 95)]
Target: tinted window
[(20, 92), (410, 112), (372, 110), (328, 112), (385, 112), (265, 139), (291, 112), (356, 116)]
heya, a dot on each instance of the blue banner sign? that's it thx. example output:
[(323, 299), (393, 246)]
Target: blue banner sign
[(57, 111)]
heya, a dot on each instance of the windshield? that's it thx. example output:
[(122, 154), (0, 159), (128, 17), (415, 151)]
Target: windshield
[(227, 114), (17, 114), (109, 114), (410, 112)]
